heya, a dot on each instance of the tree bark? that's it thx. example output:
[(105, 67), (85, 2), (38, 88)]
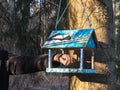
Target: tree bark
[(100, 13)]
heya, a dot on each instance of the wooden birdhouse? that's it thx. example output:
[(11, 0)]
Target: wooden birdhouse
[(80, 39)]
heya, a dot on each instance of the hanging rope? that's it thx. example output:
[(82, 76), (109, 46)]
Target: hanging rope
[(58, 14), (59, 18), (87, 17)]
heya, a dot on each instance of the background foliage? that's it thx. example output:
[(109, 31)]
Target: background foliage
[(117, 25), (24, 26), (23, 32)]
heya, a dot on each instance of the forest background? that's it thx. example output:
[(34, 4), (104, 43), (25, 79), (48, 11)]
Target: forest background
[(25, 25)]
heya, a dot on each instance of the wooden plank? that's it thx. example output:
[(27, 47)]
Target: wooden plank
[(70, 70)]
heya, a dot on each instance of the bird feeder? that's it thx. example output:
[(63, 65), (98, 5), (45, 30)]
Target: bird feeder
[(80, 39)]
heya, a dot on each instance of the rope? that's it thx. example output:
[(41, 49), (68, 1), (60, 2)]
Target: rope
[(62, 14), (59, 18), (58, 14), (87, 17)]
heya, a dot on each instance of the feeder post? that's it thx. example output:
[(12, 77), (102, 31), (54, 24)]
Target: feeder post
[(49, 58), (92, 60), (81, 58)]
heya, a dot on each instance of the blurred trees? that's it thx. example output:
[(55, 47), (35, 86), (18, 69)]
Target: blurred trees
[(25, 24), (117, 25), (117, 22)]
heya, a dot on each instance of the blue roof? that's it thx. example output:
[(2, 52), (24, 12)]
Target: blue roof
[(71, 39)]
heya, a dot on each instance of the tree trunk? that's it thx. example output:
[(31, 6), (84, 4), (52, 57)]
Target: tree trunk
[(100, 13)]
